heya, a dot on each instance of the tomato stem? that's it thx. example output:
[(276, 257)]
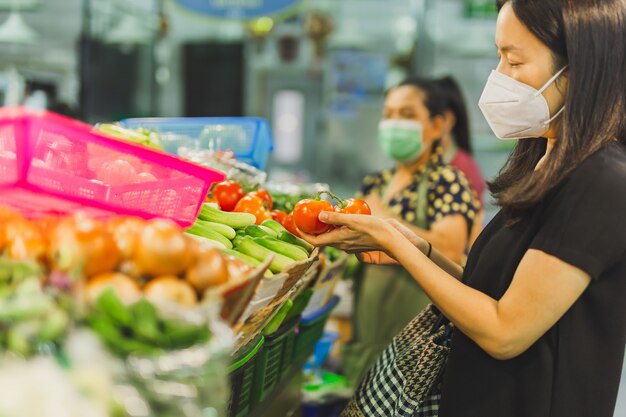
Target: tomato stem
[(340, 202)]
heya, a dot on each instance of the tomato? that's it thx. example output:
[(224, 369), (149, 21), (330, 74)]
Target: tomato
[(253, 205), (306, 213), (228, 194), (354, 206), (279, 216), (263, 195), (290, 225)]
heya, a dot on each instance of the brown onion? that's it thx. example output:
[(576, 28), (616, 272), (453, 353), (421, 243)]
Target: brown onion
[(238, 269), (125, 287), (80, 243), (125, 231), (25, 241), (209, 269), (162, 249), (170, 289)]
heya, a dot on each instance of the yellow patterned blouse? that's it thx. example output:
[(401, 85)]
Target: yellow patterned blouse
[(448, 192)]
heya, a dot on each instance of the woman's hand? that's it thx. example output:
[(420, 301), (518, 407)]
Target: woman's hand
[(354, 233)]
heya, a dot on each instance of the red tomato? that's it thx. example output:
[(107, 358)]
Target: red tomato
[(253, 205), (290, 225), (305, 215), (228, 194), (279, 216), (263, 195), (354, 206)]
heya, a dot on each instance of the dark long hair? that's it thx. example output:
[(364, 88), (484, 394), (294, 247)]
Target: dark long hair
[(589, 36), (454, 102), (434, 101)]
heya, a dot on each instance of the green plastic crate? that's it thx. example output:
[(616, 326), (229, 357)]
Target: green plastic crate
[(311, 329), (290, 346), (273, 359), (242, 372)]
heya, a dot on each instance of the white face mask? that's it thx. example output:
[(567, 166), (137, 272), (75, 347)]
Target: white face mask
[(515, 110)]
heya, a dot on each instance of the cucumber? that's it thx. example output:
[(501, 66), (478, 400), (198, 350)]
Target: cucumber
[(269, 231), (278, 318), (295, 240), (249, 260), (238, 239), (224, 230), (235, 220), (275, 226), (208, 233), (249, 247), (258, 231), (283, 248), (208, 242)]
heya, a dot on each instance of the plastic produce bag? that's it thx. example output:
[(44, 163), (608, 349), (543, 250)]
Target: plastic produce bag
[(235, 170), (191, 382)]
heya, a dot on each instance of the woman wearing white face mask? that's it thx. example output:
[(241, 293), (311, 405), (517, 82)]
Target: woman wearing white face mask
[(539, 317), (431, 198)]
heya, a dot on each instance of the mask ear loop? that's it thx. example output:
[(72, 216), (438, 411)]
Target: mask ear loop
[(551, 80), (546, 85)]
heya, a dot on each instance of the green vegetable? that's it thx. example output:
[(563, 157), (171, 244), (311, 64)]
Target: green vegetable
[(234, 220), (269, 231), (249, 260), (249, 247), (119, 339), (146, 320), (291, 251), (108, 304), (295, 240), (207, 232), (224, 230), (146, 333), (300, 303), (278, 318), (275, 226), (258, 231), (181, 336)]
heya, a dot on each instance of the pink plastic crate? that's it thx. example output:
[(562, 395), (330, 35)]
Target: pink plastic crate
[(53, 164)]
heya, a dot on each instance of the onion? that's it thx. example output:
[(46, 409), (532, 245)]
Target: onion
[(125, 287), (80, 243), (25, 241), (162, 249), (238, 269), (209, 269), (125, 231), (170, 289)]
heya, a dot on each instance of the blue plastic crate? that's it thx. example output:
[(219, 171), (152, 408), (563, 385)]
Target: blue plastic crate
[(250, 138)]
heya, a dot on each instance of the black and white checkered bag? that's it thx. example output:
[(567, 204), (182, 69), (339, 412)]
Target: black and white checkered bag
[(406, 379)]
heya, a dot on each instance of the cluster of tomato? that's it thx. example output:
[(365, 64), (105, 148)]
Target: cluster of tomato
[(306, 212), (230, 196)]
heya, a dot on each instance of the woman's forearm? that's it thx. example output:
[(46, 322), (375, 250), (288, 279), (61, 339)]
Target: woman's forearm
[(472, 311)]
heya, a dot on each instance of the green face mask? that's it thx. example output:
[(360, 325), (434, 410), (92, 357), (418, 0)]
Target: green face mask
[(401, 139)]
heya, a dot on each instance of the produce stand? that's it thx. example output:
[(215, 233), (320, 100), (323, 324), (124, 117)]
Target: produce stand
[(114, 267)]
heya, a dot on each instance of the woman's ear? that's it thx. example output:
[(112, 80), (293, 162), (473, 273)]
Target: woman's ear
[(438, 124), (449, 120)]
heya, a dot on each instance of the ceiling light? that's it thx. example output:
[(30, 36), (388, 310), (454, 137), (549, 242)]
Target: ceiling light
[(15, 30)]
